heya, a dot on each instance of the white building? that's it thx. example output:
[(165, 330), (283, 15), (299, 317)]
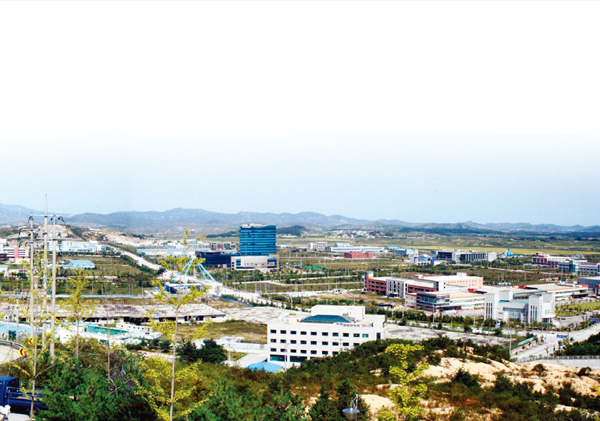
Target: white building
[(14, 252), (535, 308), (317, 246), (422, 260), (461, 256), (328, 331), (77, 246), (347, 247)]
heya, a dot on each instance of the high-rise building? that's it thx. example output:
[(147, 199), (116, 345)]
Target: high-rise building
[(258, 240)]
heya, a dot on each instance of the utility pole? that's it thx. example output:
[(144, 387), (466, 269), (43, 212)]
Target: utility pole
[(54, 241)]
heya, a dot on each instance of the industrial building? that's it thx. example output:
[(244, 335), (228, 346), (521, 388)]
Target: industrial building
[(503, 306), (317, 246), (432, 293), (437, 301), (405, 252), (592, 283), (67, 246), (13, 252), (328, 331), (347, 247), (420, 260), (460, 256), (358, 255), (79, 265)]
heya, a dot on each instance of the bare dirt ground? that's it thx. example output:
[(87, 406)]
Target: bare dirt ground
[(551, 376)]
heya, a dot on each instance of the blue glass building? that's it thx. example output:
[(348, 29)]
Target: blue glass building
[(258, 240)]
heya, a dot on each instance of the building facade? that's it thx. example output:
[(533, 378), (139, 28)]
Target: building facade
[(358, 255), (327, 331), (258, 240), (538, 308)]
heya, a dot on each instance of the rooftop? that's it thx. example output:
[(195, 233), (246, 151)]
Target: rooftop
[(327, 318)]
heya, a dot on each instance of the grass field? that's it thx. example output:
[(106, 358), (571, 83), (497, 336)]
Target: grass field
[(520, 245)]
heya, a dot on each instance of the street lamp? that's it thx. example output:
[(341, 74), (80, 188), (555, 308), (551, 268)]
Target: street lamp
[(352, 412)]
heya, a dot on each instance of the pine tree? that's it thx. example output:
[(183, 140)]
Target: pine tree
[(324, 409), (345, 394)]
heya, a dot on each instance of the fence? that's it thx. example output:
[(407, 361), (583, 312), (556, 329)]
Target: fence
[(565, 357)]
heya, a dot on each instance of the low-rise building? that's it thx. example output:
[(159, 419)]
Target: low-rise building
[(592, 283), (270, 262), (317, 246), (347, 247), (14, 252), (358, 255), (449, 300), (538, 308), (461, 256), (420, 260), (460, 279), (406, 252), (544, 259), (327, 331), (79, 265)]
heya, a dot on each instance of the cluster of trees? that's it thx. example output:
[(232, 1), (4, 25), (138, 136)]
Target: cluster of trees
[(591, 346)]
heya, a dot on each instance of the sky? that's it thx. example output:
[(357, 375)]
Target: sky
[(417, 111)]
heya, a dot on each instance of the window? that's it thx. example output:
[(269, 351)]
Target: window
[(282, 350), (365, 335), (292, 332), (303, 333), (273, 341), (355, 344), (335, 343), (325, 352), (302, 342), (293, 341), (313, 333), (336, 334), (293, 351), (273, 331), (346, 335), (325, 343), (335, 352), (282, 341), (273, 349), (346, 344), (303, 351), (325, 333), (313, 342), (283, 332), (313, 352), (357, 335)]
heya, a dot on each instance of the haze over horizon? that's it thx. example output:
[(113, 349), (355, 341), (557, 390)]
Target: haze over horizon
[(395, 110)]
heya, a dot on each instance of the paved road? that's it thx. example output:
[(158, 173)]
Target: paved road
[(8, 354), (551, 342)]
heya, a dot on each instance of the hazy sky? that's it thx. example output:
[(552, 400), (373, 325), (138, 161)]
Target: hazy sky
[(420, 111)]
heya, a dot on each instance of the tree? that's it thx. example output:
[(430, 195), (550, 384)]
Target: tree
[(212, 352), (188, 352), (171, 394), (324, 408), (465, 378), (345, 394), (408, 392), (80, 390), (155, 393), (77, 306)]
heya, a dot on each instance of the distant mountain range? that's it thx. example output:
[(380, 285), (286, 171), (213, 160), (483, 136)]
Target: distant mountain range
[(215, 221)]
